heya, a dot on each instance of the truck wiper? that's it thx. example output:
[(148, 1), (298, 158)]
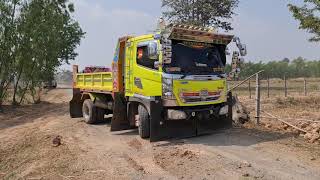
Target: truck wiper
[(184, 76), (221, 76)]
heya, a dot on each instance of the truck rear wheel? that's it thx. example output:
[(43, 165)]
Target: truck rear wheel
[(91, 113), (87, 110), (144, 122)]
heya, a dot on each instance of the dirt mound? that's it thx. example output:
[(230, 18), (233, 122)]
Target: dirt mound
[(174, 156), (311, 129)]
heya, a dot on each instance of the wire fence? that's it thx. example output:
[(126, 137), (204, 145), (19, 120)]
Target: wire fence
[(278, 87), (259, 90)]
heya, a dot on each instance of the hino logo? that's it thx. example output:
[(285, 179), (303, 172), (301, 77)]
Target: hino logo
[(204, 93), (201, 65)]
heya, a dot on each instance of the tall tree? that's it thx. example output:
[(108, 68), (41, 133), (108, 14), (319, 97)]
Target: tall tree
[(51, 36), (36, 37), (8, 43), (206, 13), (309, 18)]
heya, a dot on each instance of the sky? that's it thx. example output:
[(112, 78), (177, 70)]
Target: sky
[(265, 26)]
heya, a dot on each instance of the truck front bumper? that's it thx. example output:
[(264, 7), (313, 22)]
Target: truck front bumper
[(185, 122), (210, 112)]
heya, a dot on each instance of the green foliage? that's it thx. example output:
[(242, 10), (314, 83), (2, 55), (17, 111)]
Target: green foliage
[(36, 37), (296, 68), (200, 12), (308, 15), (8, 43)]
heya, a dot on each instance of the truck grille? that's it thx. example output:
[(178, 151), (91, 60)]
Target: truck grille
[(200, 99)]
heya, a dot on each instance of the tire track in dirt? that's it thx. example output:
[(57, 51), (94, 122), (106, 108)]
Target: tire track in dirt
[(134, 164)]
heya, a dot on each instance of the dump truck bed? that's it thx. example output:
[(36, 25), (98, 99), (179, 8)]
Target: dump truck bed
[(98, 82)]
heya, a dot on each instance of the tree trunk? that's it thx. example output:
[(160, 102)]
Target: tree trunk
[(24, 93), (15, 87)]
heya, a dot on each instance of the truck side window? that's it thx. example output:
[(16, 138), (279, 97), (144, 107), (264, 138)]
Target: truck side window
[(143, 59)]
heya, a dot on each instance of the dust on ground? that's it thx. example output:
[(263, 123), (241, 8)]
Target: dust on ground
[(92, 152)]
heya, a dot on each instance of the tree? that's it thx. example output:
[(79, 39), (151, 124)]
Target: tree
[(308, 15), (206, 13), (8, 43), (298, 67), (51, 36), (36, 37)]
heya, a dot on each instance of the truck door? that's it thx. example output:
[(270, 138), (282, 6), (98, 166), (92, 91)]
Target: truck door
[(146, 77)]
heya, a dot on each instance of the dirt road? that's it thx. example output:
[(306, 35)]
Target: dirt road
[(92, 152)]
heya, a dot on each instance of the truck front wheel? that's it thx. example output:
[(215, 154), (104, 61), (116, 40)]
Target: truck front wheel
[(144, 122)]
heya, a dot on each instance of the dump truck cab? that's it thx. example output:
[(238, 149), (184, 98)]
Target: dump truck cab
[(168, 84)]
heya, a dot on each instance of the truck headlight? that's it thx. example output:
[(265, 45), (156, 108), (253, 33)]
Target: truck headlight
[(167, 88)]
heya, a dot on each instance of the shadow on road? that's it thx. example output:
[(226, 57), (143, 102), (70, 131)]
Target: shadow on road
[(130, 132), (231, 137), (18, 115), (105, 122)]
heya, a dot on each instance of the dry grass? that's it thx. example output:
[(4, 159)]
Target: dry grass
[(295, 106)]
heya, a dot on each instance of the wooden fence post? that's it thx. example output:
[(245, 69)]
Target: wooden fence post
[(258, 106), (285, 87), (305, 86), (250, 89), (268, 87)]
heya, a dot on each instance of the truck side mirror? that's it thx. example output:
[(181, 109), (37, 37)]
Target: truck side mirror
[(227, 51), (157, 64), (153, 50)]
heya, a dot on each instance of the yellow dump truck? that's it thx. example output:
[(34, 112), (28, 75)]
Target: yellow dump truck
[(168, 84)]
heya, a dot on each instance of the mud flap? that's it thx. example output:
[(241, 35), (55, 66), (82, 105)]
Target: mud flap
[(119, 120), (163, 130), (75, 106)]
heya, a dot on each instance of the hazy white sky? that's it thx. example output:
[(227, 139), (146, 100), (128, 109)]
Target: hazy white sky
[(266, 26)]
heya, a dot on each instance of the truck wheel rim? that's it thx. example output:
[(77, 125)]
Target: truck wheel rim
[(86, 112)]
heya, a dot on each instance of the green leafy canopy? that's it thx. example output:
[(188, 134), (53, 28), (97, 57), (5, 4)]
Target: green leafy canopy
[(205, 13), (36, 37), (309, 17)]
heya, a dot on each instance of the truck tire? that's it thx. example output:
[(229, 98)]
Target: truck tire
[(89, 112), (144, 122)]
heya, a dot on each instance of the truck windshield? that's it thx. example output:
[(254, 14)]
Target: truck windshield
[(196, 58)]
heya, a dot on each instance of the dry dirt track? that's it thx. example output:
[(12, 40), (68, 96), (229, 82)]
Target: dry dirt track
[(92, 152)]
